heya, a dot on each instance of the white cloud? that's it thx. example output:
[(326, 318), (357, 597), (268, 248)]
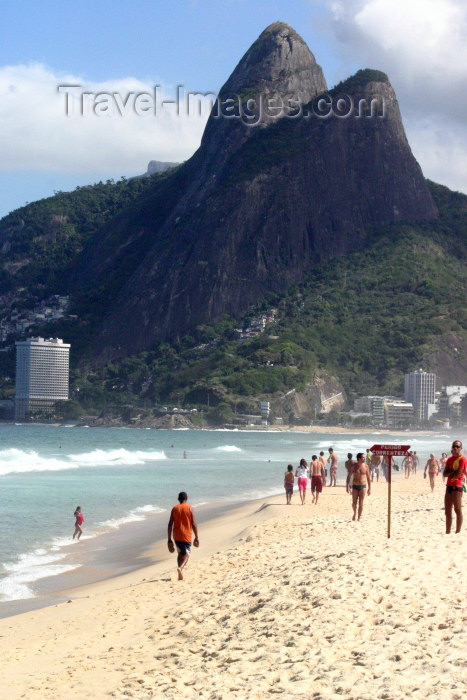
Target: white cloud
[(38, 135), (421, 46)]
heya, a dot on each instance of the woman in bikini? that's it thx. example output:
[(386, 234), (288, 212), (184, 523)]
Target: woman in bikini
[(433, 469)]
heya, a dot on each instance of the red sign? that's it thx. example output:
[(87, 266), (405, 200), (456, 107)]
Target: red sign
[(392, 450)]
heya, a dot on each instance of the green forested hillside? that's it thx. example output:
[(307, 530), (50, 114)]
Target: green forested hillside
[(40, 242), (367, 318)]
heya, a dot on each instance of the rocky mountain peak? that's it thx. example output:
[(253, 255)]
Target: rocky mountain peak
[(279, 61), (261, 202)]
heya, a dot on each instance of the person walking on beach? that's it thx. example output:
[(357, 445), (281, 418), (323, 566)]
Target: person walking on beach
[(322, 459), (375, 461), (454, 471), (433, 469), (316, 472), (442, 464), (361, 480), (79, 520), (349, 465), (407, 463), (332, 460), (302, 474), (182, 524), (289, 479), (385, 466), (415, 462)]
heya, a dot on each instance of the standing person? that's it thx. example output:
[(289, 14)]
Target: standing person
[(407, 464), (316, 472), (79, 520), (361, 479), (368, 457), (288, 484), (433, 469), (415, 462), (385, 466), (455, 471), (332, 460), (375, 461), (349, 464), (322, 459), (182, 522), (302, 473), (442, 464)]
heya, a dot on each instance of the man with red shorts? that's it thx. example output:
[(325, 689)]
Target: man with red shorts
[(317, 473), (455, 471)]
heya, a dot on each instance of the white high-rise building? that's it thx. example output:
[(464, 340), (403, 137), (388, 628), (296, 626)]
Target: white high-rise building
[(42, 376), (420, 391)]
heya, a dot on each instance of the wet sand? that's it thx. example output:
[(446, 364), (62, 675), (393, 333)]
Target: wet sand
[(292, 600)]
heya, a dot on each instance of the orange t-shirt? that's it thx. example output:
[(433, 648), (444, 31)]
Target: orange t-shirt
[(183, 522)]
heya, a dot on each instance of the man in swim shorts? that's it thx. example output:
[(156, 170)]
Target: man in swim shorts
[(361, 481), (317, 472), (322, 459), (455, 471), (349, 465), (375, 461), (182, 523), (332, 460)]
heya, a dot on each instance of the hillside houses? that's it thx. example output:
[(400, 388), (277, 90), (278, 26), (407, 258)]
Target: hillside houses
[(15, 322)]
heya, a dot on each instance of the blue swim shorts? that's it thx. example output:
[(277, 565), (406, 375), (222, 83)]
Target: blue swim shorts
[(183, 547)]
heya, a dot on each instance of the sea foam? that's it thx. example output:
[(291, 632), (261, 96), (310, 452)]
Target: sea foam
[(18, 461), (120, 456)]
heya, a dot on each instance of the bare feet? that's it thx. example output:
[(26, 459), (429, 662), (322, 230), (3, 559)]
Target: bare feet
[(180, 574)]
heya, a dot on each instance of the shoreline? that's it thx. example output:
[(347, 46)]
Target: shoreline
[(110, 555), (334, 429), (267, 600)]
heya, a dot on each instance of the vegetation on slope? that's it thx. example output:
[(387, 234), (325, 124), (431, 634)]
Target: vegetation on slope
[(368, 317)]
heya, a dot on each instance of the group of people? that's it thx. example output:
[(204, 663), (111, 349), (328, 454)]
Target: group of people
[(360, 474), (366, 468), (316, 471)]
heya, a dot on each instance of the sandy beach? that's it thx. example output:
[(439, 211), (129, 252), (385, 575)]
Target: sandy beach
[(297, 601)]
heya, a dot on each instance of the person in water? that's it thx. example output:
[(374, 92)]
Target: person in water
[(79, 520)]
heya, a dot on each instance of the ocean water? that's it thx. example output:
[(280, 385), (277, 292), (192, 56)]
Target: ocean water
[(120, 476)]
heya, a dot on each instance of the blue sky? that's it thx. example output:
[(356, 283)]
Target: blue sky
[(124, 46)]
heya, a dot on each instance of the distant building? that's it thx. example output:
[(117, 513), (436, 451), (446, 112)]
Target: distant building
[(398, 414), (42, 376), (449, 402), (419, 390), (372, 405)]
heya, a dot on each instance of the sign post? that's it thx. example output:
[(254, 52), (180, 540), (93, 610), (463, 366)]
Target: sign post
[(389, 451)]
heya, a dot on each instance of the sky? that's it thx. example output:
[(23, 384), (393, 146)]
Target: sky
[(54, 139)]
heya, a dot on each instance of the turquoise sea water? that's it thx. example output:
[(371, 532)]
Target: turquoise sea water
[(119, 476)]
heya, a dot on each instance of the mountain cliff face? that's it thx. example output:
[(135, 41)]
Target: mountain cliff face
[(287, 177)]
